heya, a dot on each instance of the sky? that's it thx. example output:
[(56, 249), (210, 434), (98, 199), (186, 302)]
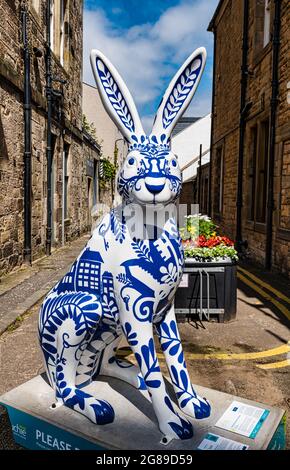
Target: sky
[(147, 41)]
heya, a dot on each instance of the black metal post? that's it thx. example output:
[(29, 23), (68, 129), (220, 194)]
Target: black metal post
[(272, 137), (48, 134), (199, 177), (27, 138), (212, 128), (243, 111)]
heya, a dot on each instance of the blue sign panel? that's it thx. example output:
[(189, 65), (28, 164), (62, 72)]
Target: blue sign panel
[(36, 434)]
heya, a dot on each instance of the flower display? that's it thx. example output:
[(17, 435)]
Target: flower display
[(201, 240)]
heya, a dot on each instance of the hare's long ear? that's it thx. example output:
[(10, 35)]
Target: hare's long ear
[(179, 93), (116, 97)]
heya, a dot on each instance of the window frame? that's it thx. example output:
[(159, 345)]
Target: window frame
[(255, 152), (218, 209), (267, 23)]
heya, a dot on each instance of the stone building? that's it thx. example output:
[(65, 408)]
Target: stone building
[(42, 204), (187, 143), (250, 164)]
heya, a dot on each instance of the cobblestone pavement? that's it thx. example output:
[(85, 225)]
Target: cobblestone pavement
[(249, 357), (23, 288)]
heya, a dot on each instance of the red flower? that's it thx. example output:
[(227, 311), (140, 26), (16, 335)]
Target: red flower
[(203, 242)]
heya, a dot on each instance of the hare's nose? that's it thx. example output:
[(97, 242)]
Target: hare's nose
[(154, 185)]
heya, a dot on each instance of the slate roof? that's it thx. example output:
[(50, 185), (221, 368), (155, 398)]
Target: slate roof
[(183, 123)]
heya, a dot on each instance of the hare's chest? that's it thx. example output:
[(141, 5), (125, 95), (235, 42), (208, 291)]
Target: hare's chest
[(155, 267)]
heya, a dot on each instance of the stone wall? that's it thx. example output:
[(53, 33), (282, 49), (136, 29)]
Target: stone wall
[(229, 23), (66, 129)]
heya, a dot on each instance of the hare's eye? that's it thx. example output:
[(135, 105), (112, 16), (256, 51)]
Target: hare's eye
[(131, 161), (174, 163)]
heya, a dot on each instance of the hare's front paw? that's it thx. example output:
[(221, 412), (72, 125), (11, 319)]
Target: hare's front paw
[(195, 406), (175, 426)]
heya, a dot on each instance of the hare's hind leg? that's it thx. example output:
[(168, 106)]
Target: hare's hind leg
[(113, 366), (72, 336)]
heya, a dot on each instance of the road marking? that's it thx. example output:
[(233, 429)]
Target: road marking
[(274, 365), (266, 285), (285, 348), (281, 307)]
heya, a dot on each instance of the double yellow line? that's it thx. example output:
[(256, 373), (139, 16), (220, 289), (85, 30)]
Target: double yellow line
[(265, 290), (284, 349)]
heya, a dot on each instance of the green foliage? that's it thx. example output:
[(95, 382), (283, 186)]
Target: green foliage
[(207, 227), (89, 127), (198, 225), (108, 172), (210, 254)]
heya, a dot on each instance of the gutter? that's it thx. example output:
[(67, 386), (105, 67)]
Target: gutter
[(209, 210), (48, 131), (272, 137), (244, 108)]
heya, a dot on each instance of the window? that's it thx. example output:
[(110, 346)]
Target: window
[(267, 22), (252, 172), (95, 196), (3, 144), (51, 24), (258, 172), (285, 185), (61, 31), (218, 190), (58, 34), (262, 172), (65, 180), (262, 24)]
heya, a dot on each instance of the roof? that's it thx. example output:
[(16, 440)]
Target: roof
[(183, 123), (90, 255), (212, 21)]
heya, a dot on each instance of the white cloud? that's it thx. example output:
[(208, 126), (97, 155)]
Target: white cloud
[(148, 55)]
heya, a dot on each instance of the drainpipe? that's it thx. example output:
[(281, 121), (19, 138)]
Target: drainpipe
[(63, 196), (244, 107), (212, 121), (48, 135), (199, 178), (272, 137), (27, 138)]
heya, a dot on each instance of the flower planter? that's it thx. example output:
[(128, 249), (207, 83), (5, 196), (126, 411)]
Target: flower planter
[(207, 289)]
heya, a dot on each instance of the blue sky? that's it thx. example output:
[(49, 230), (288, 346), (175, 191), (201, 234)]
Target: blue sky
[(148, 41)]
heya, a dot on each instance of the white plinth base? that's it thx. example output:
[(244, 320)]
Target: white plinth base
[(37, 425)]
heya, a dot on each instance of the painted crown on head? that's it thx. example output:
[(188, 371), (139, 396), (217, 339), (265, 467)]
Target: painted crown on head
[(149, 144)]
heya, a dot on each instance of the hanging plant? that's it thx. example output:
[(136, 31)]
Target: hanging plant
[(107, 172)]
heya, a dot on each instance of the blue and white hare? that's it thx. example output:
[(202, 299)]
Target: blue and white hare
[(124, 285)]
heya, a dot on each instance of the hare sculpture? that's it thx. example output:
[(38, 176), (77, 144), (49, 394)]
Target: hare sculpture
[(123, 285)]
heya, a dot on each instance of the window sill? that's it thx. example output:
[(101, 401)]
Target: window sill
[(64, 67), (249, 224), (283, 234), (260, 227), (35, 16), (259, 56), (255, 227)]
